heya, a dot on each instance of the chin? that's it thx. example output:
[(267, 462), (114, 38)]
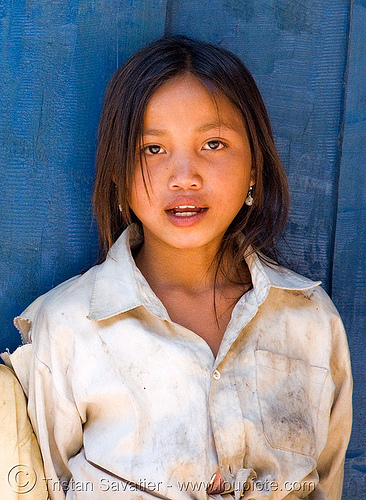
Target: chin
[(189, 243)]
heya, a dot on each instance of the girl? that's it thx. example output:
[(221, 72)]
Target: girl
[(188, 364)]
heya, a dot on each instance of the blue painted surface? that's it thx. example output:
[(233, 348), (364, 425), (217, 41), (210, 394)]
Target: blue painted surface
[(56, 58), (349, 270)]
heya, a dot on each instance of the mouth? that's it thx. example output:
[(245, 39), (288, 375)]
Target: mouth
[(185, 210), (185, 213)]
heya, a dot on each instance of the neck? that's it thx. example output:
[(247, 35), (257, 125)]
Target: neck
[(190, 270)]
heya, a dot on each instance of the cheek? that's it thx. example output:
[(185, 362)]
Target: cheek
[(143, 192), (138, 191), (234, 185)]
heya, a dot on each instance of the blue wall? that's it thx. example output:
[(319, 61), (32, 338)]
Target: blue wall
[(309, 60)]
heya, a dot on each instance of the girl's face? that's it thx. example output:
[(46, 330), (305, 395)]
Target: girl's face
[(198, 166)]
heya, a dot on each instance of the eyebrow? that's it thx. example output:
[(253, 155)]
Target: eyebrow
[(218, 125), (153, 131), (204, 128)]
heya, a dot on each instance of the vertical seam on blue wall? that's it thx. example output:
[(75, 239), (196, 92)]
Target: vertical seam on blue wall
[(168, 18), (340, 146)]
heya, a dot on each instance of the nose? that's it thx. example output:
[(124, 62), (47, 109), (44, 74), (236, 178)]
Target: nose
[(184, 174)]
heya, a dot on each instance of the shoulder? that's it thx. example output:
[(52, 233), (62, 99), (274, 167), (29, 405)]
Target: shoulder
[(12, 395), (8, 381), (297, 290), (310, 305), (49, 327), (70, 299), (300, 302), (298, 319), (316, 299)]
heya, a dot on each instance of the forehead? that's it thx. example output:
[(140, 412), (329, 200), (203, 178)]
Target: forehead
[(186, 97)]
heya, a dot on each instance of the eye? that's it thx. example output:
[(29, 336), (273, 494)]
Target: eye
[(214, 145), (153, 149)]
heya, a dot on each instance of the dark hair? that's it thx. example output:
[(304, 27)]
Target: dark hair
[(120, 130)]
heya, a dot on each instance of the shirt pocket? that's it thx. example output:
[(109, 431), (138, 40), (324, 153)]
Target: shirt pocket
[(290, 397)]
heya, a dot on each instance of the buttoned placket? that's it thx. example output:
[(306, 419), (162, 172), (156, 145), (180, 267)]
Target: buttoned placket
[(243, 313)]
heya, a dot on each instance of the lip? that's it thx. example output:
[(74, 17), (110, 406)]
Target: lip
[(185, 201), (187, 221)]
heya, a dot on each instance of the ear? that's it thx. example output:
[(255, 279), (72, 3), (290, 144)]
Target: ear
[(114, 179), (253, 170)]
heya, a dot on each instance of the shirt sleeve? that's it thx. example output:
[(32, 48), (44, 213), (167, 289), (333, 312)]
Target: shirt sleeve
[(331, 461), (42, 370), (57, 425)]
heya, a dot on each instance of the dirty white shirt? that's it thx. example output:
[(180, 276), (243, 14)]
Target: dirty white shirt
[(128, 404)]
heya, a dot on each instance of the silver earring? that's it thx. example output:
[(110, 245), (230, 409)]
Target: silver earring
[(249, 199), (119, 205)]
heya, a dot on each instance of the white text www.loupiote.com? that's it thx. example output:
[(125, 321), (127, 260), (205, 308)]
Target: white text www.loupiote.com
[(252, 485)]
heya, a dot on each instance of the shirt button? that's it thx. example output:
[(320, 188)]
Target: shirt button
[(216, 375)]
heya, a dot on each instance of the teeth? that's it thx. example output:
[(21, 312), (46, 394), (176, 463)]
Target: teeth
[(185, 210), (185, 214)]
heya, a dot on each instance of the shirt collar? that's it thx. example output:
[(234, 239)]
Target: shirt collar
[(119, 286)]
